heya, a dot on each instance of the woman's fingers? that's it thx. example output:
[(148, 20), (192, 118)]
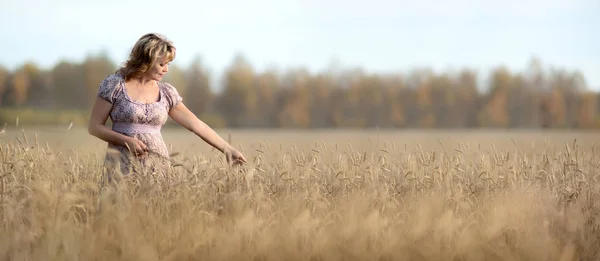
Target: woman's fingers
[(141, 148), (142, 145)]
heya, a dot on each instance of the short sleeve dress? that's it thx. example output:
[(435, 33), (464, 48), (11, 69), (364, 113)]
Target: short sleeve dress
[(140, 120)]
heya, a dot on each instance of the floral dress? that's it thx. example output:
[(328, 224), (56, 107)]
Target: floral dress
[(140, 120)]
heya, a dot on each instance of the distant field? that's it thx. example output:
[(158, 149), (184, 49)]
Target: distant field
[(184, 141), (309, 195)]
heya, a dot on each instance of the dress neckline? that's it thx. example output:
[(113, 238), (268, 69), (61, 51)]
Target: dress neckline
[(124, 90)]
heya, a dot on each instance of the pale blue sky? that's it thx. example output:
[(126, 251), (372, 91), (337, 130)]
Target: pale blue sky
[(377, 35)]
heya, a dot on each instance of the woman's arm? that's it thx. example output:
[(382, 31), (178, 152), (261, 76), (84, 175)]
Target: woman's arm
[(182, 115), (97, 127)]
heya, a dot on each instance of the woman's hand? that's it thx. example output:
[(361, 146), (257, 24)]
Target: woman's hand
[(234, 157), (136, 146)]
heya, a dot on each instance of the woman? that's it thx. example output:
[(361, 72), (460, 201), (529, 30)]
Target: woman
[(139, 103)]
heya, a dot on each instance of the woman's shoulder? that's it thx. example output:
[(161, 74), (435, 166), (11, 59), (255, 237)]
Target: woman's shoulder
[(109, 86), (114, 77), (168, 87), (112, 81), (172, 95)]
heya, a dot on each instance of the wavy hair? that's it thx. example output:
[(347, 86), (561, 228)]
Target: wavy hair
[(144, 54)]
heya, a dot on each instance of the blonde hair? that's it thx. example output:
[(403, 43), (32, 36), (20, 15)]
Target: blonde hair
[(144, 54)]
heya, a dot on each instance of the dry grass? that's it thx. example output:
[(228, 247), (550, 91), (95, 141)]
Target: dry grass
[(520, 196)]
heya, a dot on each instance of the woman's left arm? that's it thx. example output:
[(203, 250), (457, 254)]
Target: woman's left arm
[(182, 115)]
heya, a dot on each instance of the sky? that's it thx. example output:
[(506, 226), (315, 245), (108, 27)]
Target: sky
[(377, 35)]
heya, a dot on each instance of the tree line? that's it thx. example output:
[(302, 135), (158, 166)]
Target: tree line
[(334, 97)]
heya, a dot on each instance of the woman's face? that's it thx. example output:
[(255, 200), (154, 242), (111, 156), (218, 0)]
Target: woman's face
[(159, 70)]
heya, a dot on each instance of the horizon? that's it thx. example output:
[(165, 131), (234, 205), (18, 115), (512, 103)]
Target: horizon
[(286, 34)]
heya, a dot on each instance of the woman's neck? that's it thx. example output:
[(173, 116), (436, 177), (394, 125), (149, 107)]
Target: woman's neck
[(143, 81)]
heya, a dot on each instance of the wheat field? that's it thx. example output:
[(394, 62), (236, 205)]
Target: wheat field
[(307, 195)]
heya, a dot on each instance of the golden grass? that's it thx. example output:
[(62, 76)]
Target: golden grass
[(521, 196)]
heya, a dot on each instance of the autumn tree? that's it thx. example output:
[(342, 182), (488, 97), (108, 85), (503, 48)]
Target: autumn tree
[(4, 75), (295, 111), (466, 99), (267, 86), (494, 113), (443, 100), (587, 116), (68, 86), (422, 80), (536, 83), (321, 85), (238, 99), (199, 92), (20, 86), (398, 100)]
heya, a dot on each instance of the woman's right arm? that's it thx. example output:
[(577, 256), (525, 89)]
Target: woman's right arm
[(97, 127)]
